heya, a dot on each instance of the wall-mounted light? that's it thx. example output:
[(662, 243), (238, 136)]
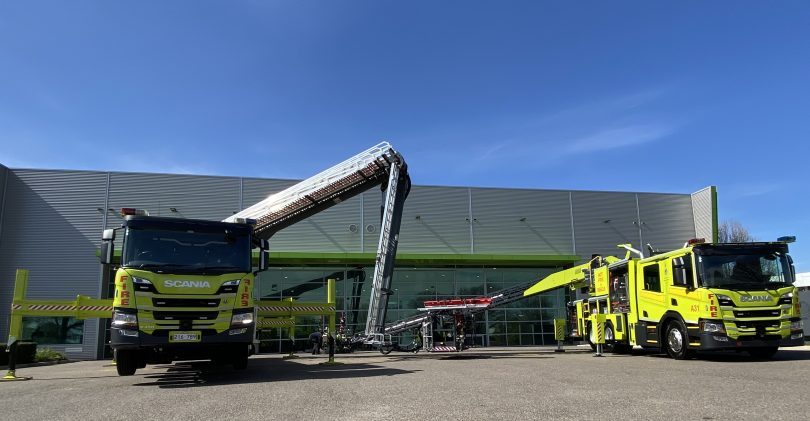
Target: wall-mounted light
[(606, 221), (352, 228), (418, 217), (173, 210), (523, 219)]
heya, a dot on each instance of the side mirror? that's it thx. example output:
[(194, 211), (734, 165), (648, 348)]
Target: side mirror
[(107, 249), (264, 258), (108, 235)]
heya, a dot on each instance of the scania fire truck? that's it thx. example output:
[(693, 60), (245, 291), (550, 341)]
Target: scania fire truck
[(701, 297), (184, 287)]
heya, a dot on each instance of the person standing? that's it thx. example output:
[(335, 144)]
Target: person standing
[(315, 338)]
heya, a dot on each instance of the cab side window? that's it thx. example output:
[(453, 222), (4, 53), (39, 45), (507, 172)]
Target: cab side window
[(682, 271), (652, 278)]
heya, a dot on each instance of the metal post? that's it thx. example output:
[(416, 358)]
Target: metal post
[(15, 329), (291, 334), (331, 292)]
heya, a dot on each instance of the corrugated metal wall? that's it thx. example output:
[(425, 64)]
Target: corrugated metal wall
[(53, 219), (51, 227), (703, 213), (509, 221), (602, 220), (435, 220), (663, 222)]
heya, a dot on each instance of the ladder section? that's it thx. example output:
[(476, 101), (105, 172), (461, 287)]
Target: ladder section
[(399, 185), (407, 323), (322, 191)]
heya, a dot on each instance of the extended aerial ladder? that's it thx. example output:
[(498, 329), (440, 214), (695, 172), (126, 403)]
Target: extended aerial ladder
[(380, 165)]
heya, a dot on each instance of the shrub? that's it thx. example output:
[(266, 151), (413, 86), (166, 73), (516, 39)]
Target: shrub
[(48, 354)]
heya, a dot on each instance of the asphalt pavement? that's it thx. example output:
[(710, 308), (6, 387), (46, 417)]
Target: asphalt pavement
[(486, 384)]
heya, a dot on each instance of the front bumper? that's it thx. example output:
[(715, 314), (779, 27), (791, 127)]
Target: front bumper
[(161, 339), (720, 341)]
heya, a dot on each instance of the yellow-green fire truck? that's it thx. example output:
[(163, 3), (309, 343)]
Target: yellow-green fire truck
[(702, 297), (184, 287)]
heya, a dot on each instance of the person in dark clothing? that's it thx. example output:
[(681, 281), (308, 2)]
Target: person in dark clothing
[(315, 338)]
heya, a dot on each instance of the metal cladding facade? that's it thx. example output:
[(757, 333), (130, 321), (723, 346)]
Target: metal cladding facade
[(51, 223)]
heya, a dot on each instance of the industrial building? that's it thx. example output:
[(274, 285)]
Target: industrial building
[(455, 242)]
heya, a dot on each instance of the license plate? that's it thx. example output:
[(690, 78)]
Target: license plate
[(189, 336)]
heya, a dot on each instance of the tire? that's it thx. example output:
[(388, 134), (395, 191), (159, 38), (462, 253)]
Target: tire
[(386, 349), (764, 353), (590, 336), (676, 341), (126, 361), (610, 338), (240, 357)]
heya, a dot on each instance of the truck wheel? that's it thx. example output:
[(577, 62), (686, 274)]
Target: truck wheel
[(764, 353), (240, 357), (591, 335), (126, 361), (677, 341), (610, 338)]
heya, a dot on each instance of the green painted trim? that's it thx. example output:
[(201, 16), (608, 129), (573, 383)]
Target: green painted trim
[(715, 223), (280, 258), (423, 259)]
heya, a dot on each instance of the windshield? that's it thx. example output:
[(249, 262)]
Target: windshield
[(185, 251), (765, 270)]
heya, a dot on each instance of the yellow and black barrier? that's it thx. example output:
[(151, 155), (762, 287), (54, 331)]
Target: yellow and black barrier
[(599, 330), (81, 308), (269, 314), (559, 334)]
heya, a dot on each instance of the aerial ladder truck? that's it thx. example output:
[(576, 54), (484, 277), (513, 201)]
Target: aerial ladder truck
[(184, 288), (701, 297)]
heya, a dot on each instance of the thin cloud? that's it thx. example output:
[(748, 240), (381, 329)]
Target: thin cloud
[(615, 138)]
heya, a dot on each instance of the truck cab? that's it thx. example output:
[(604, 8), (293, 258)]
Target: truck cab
[(183, 290)]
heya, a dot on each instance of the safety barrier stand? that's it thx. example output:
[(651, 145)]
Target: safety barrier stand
[(559, 334), (599, 324), (330, 338)]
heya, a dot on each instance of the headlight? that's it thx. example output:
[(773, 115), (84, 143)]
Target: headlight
[(786, 298), (229, 287), (141, 284), (797, 325), (724, 300), (242, 319), (712, 327), (124, 319)]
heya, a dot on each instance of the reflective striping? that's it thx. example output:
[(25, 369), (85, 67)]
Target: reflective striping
[(45, 307), (96, 308), (443, 349), (280, 309), (16, 306), (268, 323)]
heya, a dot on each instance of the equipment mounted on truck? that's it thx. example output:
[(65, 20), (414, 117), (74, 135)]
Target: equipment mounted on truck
[(701, 297), (184, 287)]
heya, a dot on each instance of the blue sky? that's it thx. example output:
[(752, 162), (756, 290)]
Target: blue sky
[(666, 96)]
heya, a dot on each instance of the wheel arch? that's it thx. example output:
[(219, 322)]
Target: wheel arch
[(663, 326)]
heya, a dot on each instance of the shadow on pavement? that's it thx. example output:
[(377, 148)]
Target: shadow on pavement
[(195, 374), (735, 356)]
